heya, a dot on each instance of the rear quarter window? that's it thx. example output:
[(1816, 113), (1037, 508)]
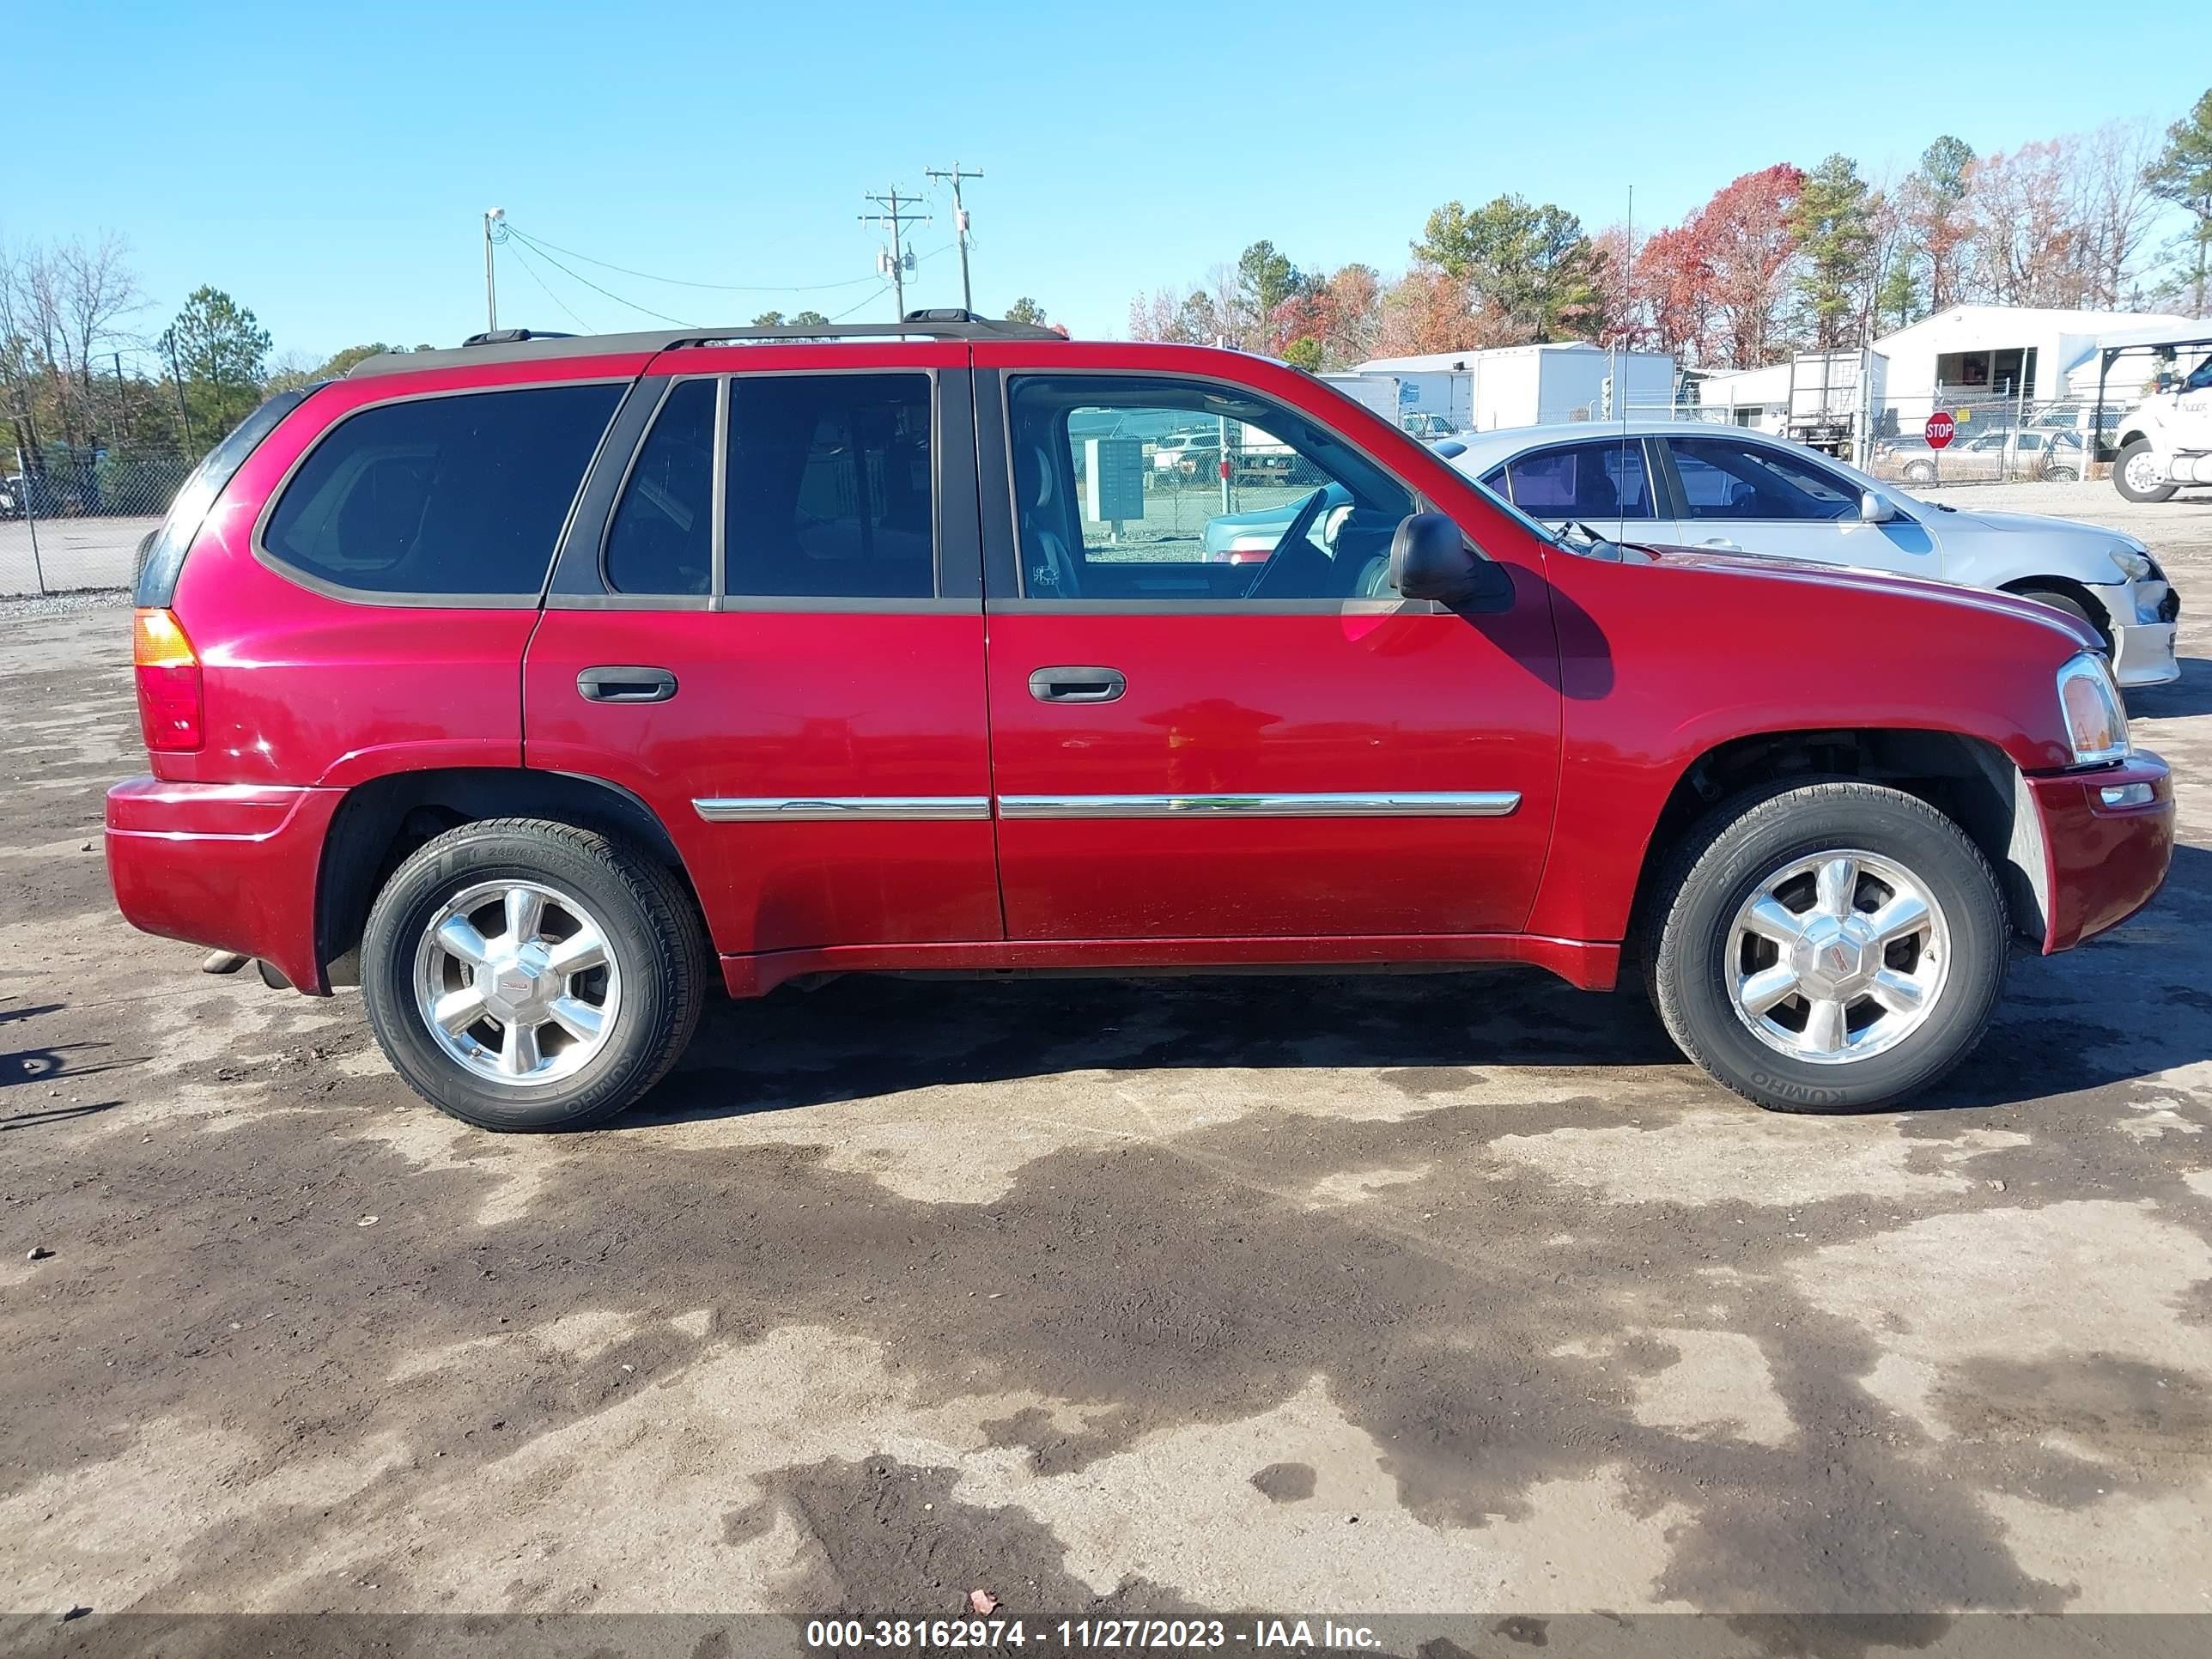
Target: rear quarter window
[(460, 494), (163, 560)]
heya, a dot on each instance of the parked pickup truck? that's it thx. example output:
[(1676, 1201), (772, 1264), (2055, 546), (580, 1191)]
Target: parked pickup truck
[(536, 686), (2166, 440)]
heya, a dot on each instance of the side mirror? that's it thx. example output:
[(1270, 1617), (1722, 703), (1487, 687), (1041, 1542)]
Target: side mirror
[(1430, 559), (1873, 509)]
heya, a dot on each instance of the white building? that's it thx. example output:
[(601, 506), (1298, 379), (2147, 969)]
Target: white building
[(1982, 354), (1959, 358), (1525, 385)]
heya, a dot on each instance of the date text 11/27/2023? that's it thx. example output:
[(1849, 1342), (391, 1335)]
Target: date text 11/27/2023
[(1087, 1634)]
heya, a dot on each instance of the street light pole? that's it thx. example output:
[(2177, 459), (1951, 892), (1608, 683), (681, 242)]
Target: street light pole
[(496, 215)]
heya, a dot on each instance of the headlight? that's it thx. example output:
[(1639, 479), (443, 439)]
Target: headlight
[(2133, 565), (2096, 718)]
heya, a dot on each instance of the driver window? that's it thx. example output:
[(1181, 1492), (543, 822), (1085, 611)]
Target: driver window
[(1165, 490)]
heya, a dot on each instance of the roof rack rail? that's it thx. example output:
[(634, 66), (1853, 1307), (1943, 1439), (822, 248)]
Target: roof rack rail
[(514, 335), (950, 323)]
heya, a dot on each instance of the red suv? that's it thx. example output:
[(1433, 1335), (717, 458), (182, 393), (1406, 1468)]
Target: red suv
[(535, 684)]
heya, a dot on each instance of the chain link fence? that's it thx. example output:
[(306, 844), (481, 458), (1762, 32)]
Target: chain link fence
[(72, 518), (1994, 440)]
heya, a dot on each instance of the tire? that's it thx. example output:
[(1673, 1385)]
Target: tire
[(2061, 475), (1919, 473), (2137, 449), (2072, 606), (1734, 855), (644, 990)]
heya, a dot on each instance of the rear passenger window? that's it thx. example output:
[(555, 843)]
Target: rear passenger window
[(462, 495), (662, 540), (829, 487)]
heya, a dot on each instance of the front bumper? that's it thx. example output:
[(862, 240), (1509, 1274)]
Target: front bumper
[(231, 867), (2102, 861), (2143, 624), (2143, 655)]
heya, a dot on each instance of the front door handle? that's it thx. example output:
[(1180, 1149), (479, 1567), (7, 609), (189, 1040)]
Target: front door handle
[(626, 684), (1077, 685)]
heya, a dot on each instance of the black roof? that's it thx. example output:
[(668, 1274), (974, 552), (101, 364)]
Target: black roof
[(522, 344)]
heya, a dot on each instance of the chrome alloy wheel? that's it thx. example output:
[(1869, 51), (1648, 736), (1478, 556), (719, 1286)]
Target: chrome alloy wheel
[(515, 983), (1837, 957)]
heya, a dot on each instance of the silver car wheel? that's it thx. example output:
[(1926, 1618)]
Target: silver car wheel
[(1838, 956), (515, 981)]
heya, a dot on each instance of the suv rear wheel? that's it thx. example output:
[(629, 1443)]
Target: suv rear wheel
[(1830, 948), (524, 974)]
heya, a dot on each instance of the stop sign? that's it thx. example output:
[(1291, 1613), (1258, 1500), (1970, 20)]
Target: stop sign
[(1940, 428)]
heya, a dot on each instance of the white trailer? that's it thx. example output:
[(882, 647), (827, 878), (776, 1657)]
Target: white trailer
[(1829, 392), (1525, 386), (1379, 392)]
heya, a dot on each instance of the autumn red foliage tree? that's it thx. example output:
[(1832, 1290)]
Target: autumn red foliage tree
[(1748, 242)]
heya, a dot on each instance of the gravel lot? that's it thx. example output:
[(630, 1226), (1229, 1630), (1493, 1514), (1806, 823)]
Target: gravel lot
[(1304, 1294)]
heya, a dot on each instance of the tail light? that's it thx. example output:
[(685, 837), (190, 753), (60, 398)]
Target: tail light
[(168, 671)]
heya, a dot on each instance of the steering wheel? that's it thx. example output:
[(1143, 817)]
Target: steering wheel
[(1301, 522)]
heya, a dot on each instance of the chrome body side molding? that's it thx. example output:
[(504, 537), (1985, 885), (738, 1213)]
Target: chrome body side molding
[(773, 809), (1428, 804)]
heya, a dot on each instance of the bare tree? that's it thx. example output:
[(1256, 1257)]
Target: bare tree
[(2116, 205), (62, 312), (2028, 244), (19, 366)]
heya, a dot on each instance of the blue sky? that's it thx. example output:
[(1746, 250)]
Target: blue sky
[(329, 164)]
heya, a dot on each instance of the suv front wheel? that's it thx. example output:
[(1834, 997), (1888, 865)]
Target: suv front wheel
[(525, 974), (1831, 948)]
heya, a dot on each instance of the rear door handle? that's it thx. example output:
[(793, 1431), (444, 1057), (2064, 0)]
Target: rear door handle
[(1077, 685), (626, 684)]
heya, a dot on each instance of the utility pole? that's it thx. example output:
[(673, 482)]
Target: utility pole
[(493, 217), (177, 379), (898, 260), (953, 175)]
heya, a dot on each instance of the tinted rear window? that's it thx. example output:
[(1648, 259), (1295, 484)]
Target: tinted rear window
[(829, 490), (662, 540), (447, 495), (164, 553)]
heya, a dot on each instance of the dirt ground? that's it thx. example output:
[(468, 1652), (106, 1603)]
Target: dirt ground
[(1303, 1294)]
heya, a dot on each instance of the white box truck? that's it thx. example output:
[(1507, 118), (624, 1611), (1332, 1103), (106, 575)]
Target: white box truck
[(1443, 393)]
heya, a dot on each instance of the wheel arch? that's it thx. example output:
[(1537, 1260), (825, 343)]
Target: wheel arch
[(1970, 779), (2080, 592), (383, 820)]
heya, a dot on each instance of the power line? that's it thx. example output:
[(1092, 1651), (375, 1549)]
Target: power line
[(681, 322), (550, 295), (870, 301), (520, 239), (541, 244)]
